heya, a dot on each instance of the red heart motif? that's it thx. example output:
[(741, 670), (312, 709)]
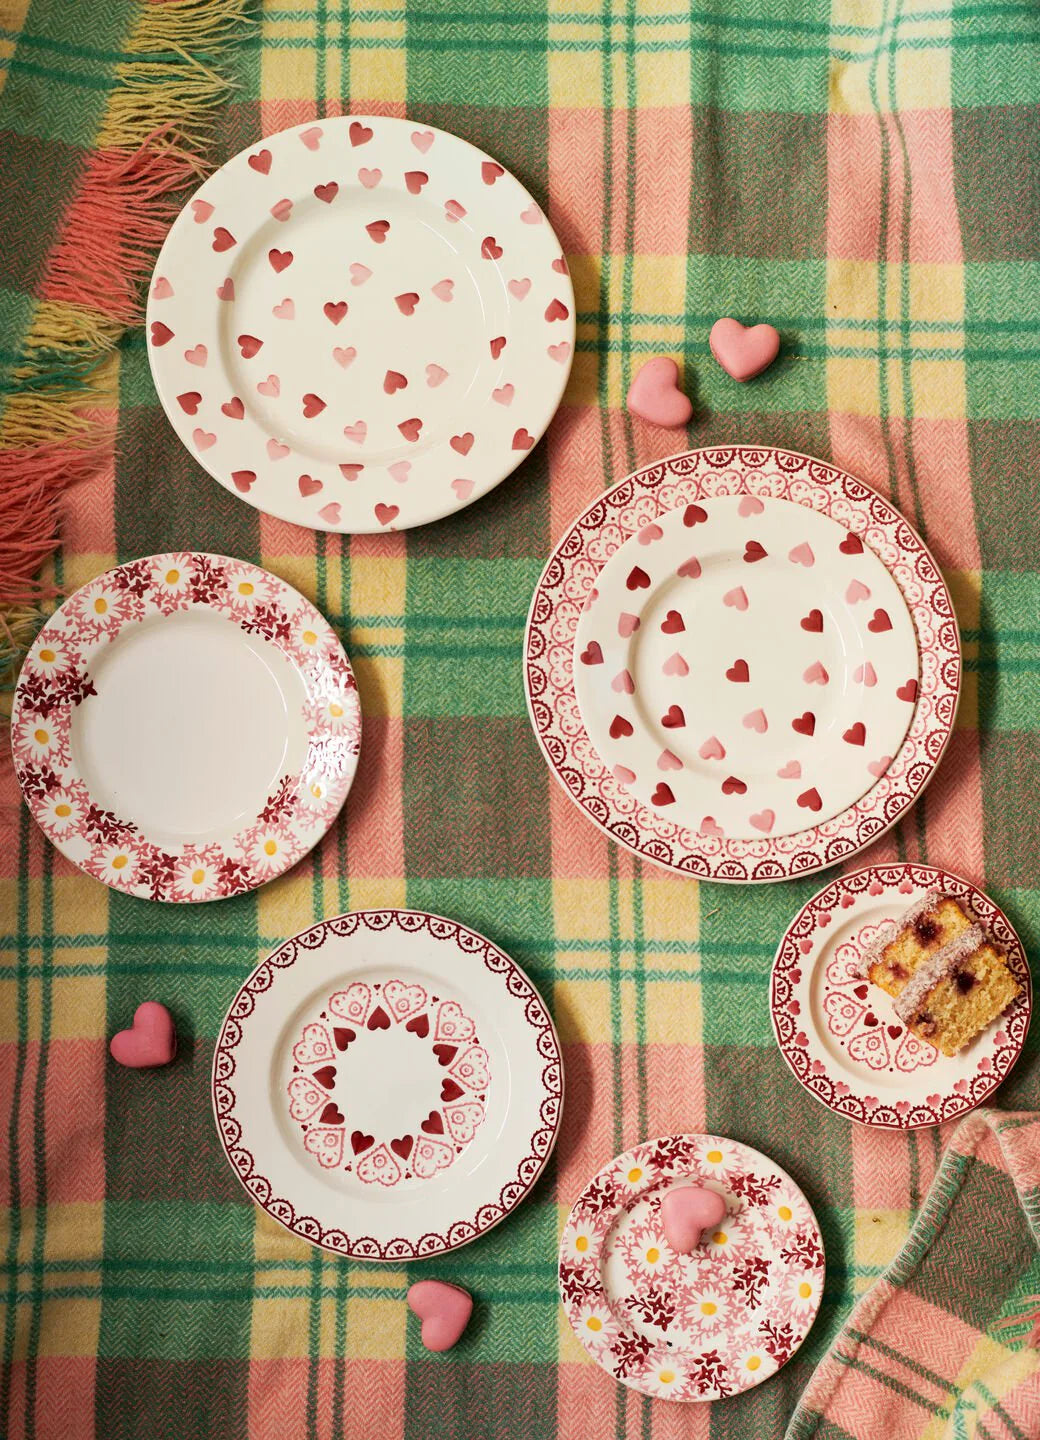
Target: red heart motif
[(861, 992), (243, 479), (351, 472), (280, 260), (325, 1076), (856, 734), (870, 1018), (161, 333), (226, 290), (592, 654), (813, 622), (360, 1141), (419, 1025), (444, 1311), (343, 1036), (741, 351), (907, 691), (673, 623), (694, 515), (637, 579), (522, 440), (249, 346), (335, 310), (810, 799), (308, 485), (895, 1031), (490, 248), (407, 302), (379, 1019), (360, 134), (732, 786), (738, 672), (662, 795), (150, 1041), (415, 180), (327, 193), (690, 569), (312, 405), (223, 239), (331, 1115), (402, 1146), (556, 310), (620, 727), (282, 209), (463, 444), (805, 724), (851, 545), (378, 230), (673, 718), (754, 551), (233, 408), (393, 381), (190, 401), (490, 170), (451, 1091), (386, 513), (497, 346), (433, 1124), (445, 1053), (260, 162), (411, 429), (560, 265), (879, 622)]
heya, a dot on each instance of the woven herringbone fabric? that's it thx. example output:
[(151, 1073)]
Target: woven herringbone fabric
[(865, 175)]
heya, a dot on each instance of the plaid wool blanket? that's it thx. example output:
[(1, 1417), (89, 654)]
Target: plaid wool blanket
[(861, 173)]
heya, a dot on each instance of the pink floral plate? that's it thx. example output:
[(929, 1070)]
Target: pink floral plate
[(360, 325), (388, 1085), (700, 1326), (841, 1035), (186, 727), (742, 664)]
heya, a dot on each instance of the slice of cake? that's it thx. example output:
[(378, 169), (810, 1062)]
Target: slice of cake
[(948, 979), (922, 931)]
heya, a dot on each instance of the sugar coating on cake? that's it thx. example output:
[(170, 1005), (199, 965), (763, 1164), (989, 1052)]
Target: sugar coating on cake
[(926, 927)]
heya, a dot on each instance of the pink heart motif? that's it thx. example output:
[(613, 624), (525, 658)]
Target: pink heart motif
[(764, 820), (687, 1212), (444, 290), (422, 140), (400, 470), (344, 355), (816, 674), (282, 209), (791, 771), (330, 513), (624, 775), (463, 489), (842, 1012), (435, 375), (742, 352), (444, 1311), (503, 395), (312, 137), (708, 826), (865, 675), (627, 625), (675, 665), (654, 395), (151, 1040), (802, 555), (756, 721), (857, 591), (870, 1049), (749, 505), (270, 386), (356, 432), (667, 761), (359, 273), (203, 438), (690, 569), (649, 533), (623, 684), (313, 1046), (736, 599), (276, 450), (284, 310), (712, 749), (877, 768), (519, 289), (162, 289)]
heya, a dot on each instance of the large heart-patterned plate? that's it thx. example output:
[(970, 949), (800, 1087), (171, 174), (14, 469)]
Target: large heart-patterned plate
[(360, 325)]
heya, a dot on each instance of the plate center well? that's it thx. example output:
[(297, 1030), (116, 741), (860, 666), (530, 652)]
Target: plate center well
[(191, 727)]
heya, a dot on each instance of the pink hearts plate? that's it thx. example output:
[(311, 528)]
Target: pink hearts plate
[(360, 325)]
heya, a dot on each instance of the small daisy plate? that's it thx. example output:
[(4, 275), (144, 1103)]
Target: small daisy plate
[(388, 1085), (186, 727), (842, 1037), (360, 325), (700, 1326)]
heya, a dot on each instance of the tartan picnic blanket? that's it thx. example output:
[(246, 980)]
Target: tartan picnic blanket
[(861, 173)]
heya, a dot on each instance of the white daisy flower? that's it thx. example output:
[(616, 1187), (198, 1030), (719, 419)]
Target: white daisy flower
[(786, 1209), (578, 1243), (39, 739), (803, 1291), (196, 874), (652, 1255), (114, 864), (756, 1363), (665, 1379), (103, 608), (707, 1308), (267, 849), (246, 590), (632, 1178), (62, 812), (54, 656), (171, 579), (595, 1323), (714, 1157)]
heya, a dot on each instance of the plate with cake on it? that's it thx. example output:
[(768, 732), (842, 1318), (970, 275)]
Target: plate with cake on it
[(901, 996)]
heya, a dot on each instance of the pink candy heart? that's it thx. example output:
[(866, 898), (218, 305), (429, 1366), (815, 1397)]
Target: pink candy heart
[(654, 395), (150, 1041), (687, 1212), (443, 1309), (743, 353)]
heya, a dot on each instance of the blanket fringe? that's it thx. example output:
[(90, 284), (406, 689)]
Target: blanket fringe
[(150, 147)]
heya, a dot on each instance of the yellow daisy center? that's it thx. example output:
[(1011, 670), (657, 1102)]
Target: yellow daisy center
[(316, 791), (714, 1157), (594, 1323), (270, 847), (172, 576), (666, 1377), (720, 1237), (245, 588), (309, 637), (47, 656), (41, 736), (754, 1361), (805, 1289), (708, 1307), (63, 810), (335, 710), (784, 1212), (101, 605), (197, 877), (582, 1243), (634, 1175), (653, 1255), (119, 862)]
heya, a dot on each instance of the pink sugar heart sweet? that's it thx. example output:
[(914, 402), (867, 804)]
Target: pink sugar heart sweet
[(743, 352), (443, 1309), (150, 1041), (654, 395), (686, 1212)]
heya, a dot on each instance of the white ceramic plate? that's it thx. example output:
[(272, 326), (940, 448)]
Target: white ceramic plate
[(742, 664), (388, 1084), (362, 324), (700, 1326), (842, 1037), (186, 727)]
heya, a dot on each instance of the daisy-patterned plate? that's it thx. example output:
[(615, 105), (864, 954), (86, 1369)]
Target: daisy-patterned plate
[(186, 727), (700, 1326), (360, 325)]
